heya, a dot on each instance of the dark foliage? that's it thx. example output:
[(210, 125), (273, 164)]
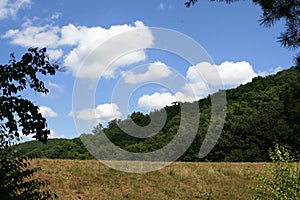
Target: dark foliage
[(19, 115), (17, 181)]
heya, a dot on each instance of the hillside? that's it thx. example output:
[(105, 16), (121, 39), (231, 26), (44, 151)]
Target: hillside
[(259, 113)]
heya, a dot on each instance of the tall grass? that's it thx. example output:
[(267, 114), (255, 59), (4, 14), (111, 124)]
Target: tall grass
[(75, 179)]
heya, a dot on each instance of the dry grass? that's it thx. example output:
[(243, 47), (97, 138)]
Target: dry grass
[(75, 179)]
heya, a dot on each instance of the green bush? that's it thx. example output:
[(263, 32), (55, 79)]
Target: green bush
[(283, 180), (16, 175)]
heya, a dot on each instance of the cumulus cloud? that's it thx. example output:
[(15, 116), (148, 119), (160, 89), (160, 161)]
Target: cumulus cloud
[(205, 78), (55, 54), (160, 100), (231, 73), (10, 8), (102, 113), (83, 42), (29, 35), (155, 71), (156, 100), (236, 73), (270, 71), (113, 54), (47, 112), (54, 134)]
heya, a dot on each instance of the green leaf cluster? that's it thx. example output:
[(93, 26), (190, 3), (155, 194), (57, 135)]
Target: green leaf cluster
[(17, 177), (18, 114), (283, 180)]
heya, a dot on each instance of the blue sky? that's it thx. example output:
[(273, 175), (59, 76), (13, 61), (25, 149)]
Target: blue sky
[(239, 47)]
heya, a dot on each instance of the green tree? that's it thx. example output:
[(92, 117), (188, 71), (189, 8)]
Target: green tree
[(18, 116), (97, 129), (274, 11)]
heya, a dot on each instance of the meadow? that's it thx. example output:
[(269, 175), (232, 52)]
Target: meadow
[(90, 179)]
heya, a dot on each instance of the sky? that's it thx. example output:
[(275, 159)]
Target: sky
[(99, 83)]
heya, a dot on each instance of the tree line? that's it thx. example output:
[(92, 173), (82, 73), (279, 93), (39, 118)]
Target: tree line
[(259, 114)]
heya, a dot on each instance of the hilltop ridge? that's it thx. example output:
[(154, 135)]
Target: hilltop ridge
[(259, 113)]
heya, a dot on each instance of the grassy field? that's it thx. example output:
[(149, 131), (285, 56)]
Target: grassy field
[(75, 179)]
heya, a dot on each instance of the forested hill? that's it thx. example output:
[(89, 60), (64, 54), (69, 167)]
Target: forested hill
[(259, 113)]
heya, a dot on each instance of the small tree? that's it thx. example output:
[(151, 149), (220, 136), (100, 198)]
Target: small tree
[(19, 116), (283, 180)]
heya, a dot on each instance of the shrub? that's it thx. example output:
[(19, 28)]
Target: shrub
[(283, 179), (16, 175)]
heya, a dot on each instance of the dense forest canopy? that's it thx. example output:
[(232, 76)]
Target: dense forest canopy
[(259, 113)]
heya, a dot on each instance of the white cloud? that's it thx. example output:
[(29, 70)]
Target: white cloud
[(156, 100), (54, 89), (97, 63), (55, 54), (83, 41), (270, 71), (205, 75), (54, 86), (38, 36), (26, 138), (236, 73), (102, 113), (54, 134), (10, 8), (155, 71), (47, 112), (160, 100)]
